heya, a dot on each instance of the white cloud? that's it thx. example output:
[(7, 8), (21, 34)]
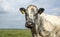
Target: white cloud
[(6, 6), (9, 5), (24, 1), (56, 9)]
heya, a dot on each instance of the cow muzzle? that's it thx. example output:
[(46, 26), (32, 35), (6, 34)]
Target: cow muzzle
[(29, 24)]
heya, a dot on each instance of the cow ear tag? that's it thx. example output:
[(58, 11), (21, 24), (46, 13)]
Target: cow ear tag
[(22, 12)]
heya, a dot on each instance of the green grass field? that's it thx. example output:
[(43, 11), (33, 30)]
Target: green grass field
[(14, 33)]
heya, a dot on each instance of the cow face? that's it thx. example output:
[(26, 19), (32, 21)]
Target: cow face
[(31, 14)]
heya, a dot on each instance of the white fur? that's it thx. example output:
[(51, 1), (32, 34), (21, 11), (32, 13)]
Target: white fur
[(55, 20)]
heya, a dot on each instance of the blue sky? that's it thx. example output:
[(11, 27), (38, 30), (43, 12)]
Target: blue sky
[(10, 16)]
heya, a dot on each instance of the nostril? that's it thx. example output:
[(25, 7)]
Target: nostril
[(29, 23)]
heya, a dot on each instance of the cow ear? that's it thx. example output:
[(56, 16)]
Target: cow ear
[(23, 10), (41, 10)]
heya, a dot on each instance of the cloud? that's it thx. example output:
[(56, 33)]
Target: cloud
[(6, 6), (56, 9)]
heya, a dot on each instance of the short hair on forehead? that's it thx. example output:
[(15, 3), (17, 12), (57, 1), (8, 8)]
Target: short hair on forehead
[(32, 6)]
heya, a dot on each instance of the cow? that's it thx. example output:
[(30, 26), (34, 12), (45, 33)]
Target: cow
[(41, 24)]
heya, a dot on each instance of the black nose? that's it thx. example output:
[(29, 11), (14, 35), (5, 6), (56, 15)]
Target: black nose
[(29, 24)]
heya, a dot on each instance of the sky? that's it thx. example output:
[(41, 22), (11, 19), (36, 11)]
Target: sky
[(11, 17)]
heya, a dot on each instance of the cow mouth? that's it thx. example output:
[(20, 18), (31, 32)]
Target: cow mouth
[(29, 24)]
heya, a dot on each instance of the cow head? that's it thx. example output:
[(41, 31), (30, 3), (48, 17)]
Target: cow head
[(31, 14)]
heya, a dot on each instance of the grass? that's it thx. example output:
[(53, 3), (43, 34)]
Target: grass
[(14, 33)]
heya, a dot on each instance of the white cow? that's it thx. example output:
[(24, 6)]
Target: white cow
[(41, 24), (50, 24)]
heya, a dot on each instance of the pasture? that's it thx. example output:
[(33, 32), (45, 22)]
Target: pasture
[(15, 33)]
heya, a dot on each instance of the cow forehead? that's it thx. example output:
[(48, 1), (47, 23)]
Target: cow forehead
[(31, 10), (32, 7)]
